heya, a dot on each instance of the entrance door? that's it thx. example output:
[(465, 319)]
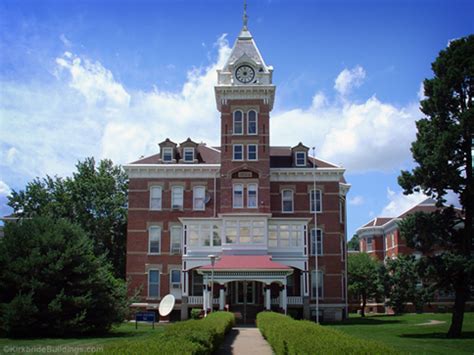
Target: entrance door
[(241, 293)]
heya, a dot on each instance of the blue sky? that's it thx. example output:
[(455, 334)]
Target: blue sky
[(106, 78)]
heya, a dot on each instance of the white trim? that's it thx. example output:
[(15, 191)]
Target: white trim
[(171, 171), (173, 206), (256, 123), (241, 122), (233, 195), (306, 174), (184, 154), (256, 195), (256, 152), (159, 240), (171, 279), (167, 149), (305, 158), (156, 187), (180, 239), (233, 152), (203, 198), (292, 201)]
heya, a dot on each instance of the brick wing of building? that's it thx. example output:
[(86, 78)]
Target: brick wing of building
[(248, 203)]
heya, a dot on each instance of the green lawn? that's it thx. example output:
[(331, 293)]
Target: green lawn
[(125, 331), (404, 333)]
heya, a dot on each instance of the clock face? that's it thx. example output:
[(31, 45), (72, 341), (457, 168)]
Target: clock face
[(245, 74)]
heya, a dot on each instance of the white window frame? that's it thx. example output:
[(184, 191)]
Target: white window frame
[(195, 198), (180, 235), (241, 122), (313, 245), (160, 198), (242, 152), (252, 224), (149, 283), (313, 280), (167, 149), (304, 158), (256, 152), (283, 201), (234, 189), (173, 195), (291, 229), (188, 149), (320, 205), (371, 244), (255, 187), (248, 123), (150, 240), (173, 284)]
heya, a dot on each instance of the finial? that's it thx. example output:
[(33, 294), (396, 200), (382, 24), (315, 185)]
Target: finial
[(245, 17)]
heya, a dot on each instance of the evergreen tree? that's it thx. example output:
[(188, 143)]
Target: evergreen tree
[(52, 282), (354, 243), (443, 155)]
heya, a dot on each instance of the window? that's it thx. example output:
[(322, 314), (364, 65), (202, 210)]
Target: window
[(238, 152), (153, 283), (320, 284), (369, 244), (315, 200), (177, 197), (198, 198), (238, 123), (319, 243), (175, 279), (287, 201), (252, 122), (155, 198), (252, 152), (203, 235), (245, 232), (167, 154), (285, 236), (300, 158), (154, 240), (175, 242), (252, 195), (238, 196), (188, 154), (197, 284)]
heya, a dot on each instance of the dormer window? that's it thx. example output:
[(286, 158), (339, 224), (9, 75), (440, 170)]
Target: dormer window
[(300, 158), (167, 155), (188, 154), (238, 122)]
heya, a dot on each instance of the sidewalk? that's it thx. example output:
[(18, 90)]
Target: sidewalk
[(245, 340)]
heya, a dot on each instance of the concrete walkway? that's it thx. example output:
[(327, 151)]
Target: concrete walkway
[(243, 341)]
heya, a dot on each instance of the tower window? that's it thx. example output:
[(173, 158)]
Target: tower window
[(238, 152), (252, 152), (238, 122), (188, 155), (252, 122)]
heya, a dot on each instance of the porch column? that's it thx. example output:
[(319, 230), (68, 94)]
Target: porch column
[(285, 300), (221, 297), (281, 297), (204, 299), (210, 297), (268, 301)]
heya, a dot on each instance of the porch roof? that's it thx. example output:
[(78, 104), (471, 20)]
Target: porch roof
[(246, 262)]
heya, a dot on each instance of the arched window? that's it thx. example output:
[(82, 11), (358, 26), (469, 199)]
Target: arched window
[(238, 122), (252, 122)]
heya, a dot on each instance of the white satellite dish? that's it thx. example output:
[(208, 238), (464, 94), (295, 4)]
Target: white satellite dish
[(207, 198), (166, 305)]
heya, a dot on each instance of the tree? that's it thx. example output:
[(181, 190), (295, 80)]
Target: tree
[(403, 284), (442, 151), (363, 274), (52, 282), (353, 243), (95, 198)]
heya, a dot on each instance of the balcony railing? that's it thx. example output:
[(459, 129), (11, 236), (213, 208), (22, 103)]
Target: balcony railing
[(199, 300)]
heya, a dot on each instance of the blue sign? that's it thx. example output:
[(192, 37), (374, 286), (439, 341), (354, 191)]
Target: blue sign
[(144, 317)]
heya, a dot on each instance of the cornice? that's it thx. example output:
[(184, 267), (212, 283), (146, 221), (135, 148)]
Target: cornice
[(244, 92), (306, 174), (172, 170)]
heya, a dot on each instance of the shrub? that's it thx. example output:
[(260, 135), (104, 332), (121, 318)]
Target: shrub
[(52, 282), (195, 313), (196, 337), (288, 336)]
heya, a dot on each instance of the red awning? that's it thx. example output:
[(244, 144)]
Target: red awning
[(246, 262)]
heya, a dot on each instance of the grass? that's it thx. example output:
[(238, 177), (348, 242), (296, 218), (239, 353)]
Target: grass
[(405, 334), (125, 331)]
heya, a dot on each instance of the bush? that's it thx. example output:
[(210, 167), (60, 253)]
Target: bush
[(52, 284), (197, 337), (288, 336), (195, 313)]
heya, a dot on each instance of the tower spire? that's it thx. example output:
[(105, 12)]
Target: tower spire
[(245, 17)]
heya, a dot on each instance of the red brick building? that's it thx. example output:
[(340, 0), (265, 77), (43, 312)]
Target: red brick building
[(250, 204)]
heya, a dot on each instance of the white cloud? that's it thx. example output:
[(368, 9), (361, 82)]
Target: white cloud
[(399, 203), (349, 79), (356, 200), (421, 92), (4, 188)]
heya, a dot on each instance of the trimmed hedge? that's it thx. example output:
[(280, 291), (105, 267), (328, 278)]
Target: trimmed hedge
[(196, 337), (289, 336)]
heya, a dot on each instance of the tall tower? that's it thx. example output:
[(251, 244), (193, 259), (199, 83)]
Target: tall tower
[(244, 97)]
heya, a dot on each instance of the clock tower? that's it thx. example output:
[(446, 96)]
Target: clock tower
[(244, 97)]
